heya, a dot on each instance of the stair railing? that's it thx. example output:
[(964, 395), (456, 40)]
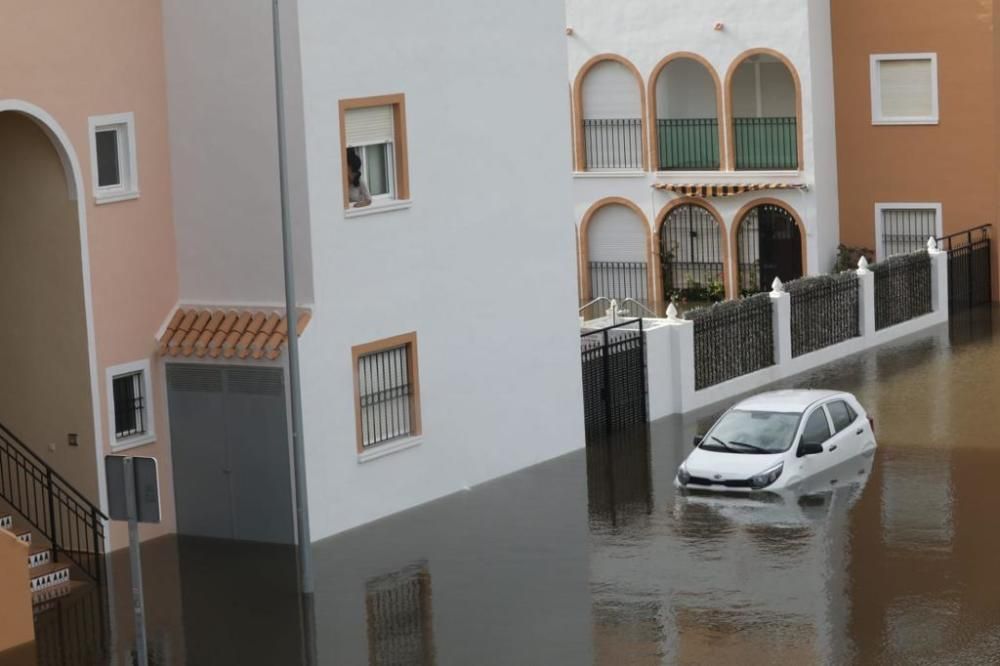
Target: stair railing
[(56, 509)]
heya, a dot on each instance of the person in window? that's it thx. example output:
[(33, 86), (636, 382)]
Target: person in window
[(358, 194)]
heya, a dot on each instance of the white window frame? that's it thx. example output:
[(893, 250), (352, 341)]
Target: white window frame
[(141, 439), (880, 208), (390, 166), (128, 169), (878, 118)]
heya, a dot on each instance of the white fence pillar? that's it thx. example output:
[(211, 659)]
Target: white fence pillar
[(681, 359), (661, 380), (781, 322), (866, 300), (939, 277)]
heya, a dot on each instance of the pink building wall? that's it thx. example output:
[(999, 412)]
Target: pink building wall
[(74, 60)]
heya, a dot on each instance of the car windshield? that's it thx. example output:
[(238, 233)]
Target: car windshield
[(740, 431)]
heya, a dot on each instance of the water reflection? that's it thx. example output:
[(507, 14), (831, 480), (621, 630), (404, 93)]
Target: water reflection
[(619, 480), (399, 618)]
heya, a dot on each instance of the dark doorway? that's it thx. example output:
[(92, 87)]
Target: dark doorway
[(769, 245), (229, 439), (691, 255)]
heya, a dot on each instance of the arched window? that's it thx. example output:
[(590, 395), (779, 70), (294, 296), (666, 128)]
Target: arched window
[(617, 238), (684, 97), (768, 245), (692, 254), (765, 129), (609, 102)]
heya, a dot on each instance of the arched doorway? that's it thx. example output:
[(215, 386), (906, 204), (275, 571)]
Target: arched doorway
[(764, 102), (610, 102), (768, 245), (46, 388), (617, 248), (692, 255), (684, 94)]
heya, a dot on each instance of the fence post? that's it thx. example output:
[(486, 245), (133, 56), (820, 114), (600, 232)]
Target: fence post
[(50, 492), (781, 323), (661, 380), (866, 300), (682, 360), (939, 277)]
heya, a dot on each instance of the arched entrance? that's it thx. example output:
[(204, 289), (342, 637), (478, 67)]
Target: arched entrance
[(768, 245), (692, 254), (47, 385), (616, 248)]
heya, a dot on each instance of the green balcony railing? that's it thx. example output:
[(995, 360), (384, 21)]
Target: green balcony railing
[(766, 143), (688, 143)]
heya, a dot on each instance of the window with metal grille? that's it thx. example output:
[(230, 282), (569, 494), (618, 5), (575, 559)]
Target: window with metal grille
[(387, 391), (399, 618), (130, 405), (906, 229)]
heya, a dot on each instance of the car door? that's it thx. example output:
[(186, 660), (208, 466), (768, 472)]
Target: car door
[(816, 430), (848, 428)]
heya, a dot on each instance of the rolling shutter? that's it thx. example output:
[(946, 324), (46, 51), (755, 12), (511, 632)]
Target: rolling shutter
[(369, 125), (907, 88)]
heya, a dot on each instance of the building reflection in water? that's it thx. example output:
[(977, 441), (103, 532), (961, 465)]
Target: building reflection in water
[(619, 481), (399, 617)]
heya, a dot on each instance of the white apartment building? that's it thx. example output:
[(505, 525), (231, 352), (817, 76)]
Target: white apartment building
[(437, 325), (704, 150)]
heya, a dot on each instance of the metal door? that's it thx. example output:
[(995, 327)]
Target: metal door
[(229, 443), (769, 246)]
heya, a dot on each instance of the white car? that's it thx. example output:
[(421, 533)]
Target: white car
[(778, 440)]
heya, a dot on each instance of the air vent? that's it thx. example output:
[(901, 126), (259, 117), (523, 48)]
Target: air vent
[(194, 378), (255, 381)]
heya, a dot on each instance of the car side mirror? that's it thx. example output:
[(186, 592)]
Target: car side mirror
[(809, 449), (697, 440)]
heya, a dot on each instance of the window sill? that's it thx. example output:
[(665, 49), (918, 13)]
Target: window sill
[(389, 448), (133, 442), (376, 208), (100, 199), (618, 173), (905, 121)]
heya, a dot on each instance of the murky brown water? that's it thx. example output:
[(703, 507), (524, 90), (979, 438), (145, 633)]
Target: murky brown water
[(593, 558)]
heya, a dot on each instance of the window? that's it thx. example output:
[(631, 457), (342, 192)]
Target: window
[(901, 228), (817, 428), (129, 398), (904, 89), (387, 390), (374, 162), (112, 158), (842, 414)]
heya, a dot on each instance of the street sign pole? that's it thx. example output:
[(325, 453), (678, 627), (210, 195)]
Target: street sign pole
[(138, 605)]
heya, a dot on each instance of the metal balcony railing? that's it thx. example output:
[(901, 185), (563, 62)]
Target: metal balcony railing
[(613, 143)]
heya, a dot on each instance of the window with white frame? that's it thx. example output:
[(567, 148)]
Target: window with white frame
[(374, 161), (129, 404), (903, 228), (113, 158), (904, 89)]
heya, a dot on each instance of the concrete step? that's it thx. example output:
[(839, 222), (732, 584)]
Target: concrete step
[(49, 575)]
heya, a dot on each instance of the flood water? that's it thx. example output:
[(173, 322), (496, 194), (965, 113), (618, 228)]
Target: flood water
[(594, 558)]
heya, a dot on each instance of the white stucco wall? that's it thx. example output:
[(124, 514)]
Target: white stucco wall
[(645, 31), (481, 265), (223, 145)]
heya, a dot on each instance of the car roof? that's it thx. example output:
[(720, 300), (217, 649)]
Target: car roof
[(791, 400)]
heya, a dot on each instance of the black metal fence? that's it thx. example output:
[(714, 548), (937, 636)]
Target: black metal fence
[(970, 272), (620, 280), (688, 143), (691, 257), (614, 377), (902, 288), (824, 311), (73, 525), (732, 339), (73, 630), (613, 143), (766, 143)]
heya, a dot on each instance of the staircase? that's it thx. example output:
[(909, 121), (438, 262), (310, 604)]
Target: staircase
[(49, 580)]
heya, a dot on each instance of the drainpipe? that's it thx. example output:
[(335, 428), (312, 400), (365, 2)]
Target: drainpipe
[(295, 390)]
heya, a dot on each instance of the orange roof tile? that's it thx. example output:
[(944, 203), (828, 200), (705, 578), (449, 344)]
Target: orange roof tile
[(239, 333)]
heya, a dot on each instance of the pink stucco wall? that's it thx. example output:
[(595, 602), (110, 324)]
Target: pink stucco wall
[(80, 59)]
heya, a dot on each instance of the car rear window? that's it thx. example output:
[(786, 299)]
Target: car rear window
[(842, 414)]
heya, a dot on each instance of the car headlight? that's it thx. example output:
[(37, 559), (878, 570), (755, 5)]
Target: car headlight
[(682, 475), (767, 477)]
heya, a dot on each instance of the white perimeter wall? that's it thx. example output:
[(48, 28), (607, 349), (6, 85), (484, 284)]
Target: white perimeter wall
[(481, 265), (223, 145), (644, 31)]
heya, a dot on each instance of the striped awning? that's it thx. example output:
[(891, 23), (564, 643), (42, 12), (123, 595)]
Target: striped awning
[(728, 190)]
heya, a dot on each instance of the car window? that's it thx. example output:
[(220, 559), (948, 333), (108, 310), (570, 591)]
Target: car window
[(817, 428), (740, 431), (842, 414)]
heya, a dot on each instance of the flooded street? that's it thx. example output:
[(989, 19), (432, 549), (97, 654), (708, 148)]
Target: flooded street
[(594, 558)]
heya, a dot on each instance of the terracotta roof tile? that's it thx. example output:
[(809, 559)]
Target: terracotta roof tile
[(241, 333)]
